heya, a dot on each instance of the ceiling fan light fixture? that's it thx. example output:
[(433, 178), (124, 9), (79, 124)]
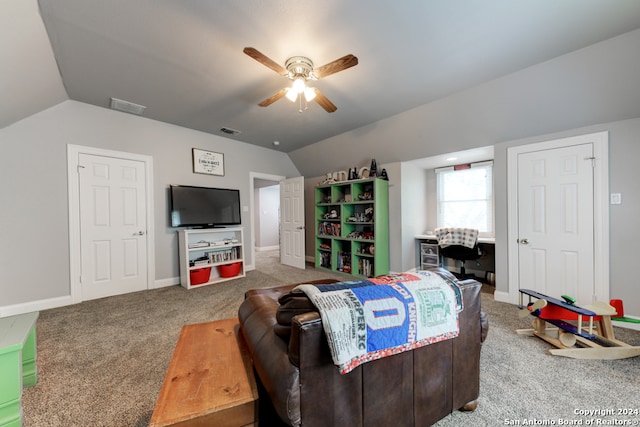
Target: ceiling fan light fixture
[(299, 66), (291, 94), (309, 93), (298, 85)]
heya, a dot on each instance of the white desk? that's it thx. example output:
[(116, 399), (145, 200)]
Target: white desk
[(431, 256)]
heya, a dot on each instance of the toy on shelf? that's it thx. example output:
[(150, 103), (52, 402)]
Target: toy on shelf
[(577, 332)]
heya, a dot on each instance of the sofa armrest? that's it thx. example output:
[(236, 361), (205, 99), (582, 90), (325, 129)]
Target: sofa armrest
[(308, 343), (484, 320), (327, 398)]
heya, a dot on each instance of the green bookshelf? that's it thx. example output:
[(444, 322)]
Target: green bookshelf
[(352, 227)]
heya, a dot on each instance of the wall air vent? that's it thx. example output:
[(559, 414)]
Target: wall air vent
[(126, 106), (229, 131)]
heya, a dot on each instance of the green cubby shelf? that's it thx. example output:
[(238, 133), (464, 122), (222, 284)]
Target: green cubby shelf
[(352, 227)]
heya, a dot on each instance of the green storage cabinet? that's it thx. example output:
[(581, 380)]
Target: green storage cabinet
[(352, 227), (17, 364)]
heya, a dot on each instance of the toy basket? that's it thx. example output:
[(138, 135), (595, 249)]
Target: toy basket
[(200, 275), (229, 270)]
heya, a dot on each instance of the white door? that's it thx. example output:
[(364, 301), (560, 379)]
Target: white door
[(113, 229), (556, 222), (292, 250)]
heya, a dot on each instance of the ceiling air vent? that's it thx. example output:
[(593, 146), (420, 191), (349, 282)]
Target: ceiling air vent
[(126, 106), (229, 131)]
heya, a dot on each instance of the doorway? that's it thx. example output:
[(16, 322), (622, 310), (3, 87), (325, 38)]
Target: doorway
[(558, 220), (265, 196), (110, 222), (267, 215)]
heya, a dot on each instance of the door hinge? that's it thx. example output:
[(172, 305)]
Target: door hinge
[(593, 161), (79, 167)]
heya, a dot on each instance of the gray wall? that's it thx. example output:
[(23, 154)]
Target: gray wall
[(596, 88), (34, 255), (624, 174), (598, 84), (267, 218), (411, 209), (30, 76), (593, 89), (415, 212)]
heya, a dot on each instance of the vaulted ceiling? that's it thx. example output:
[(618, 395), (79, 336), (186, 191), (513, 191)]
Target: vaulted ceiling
[(184, 60)]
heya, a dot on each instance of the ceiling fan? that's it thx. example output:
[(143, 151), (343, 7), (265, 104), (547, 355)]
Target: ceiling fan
[(300, 70)]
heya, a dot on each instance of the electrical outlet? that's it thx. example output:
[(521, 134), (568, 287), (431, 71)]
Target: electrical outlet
[(616, 198)]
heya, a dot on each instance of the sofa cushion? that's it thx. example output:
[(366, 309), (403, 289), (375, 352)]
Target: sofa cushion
[(292, 303)]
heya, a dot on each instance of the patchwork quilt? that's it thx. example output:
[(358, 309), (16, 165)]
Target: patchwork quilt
[(369, 319)]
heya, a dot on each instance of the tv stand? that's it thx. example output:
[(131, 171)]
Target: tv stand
[(210, 255)]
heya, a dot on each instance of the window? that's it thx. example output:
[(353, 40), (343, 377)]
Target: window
[(465, 197)]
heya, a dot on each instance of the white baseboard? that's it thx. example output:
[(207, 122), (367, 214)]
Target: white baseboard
[(31, 306), (501, 296), (45, 304), (163, 283)]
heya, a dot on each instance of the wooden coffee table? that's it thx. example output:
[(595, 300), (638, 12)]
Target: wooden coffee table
[(209, 381)]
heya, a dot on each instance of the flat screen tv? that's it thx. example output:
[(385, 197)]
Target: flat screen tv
[(204, 207)]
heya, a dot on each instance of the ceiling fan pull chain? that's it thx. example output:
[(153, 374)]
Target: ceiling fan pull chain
[(300, 100)]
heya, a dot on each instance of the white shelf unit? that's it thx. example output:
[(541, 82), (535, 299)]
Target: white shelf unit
[(220, 247)]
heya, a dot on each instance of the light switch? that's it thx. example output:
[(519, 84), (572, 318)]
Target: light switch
[(616, 198)]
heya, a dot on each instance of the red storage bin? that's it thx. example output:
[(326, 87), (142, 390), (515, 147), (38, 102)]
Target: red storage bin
[(229, 270), (200, 275)]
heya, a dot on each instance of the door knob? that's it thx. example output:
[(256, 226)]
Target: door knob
[(139, 233), (523, 241), (300, 227)]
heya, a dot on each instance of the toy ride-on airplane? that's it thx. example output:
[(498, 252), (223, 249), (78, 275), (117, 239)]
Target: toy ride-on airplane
[(577, 332)]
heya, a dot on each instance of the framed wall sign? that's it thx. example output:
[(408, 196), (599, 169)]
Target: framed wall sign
[(208, 162)]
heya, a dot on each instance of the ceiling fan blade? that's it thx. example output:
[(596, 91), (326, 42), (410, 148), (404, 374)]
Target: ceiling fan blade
[(273, 98), (340, 64), (265, 60), (324, 102)]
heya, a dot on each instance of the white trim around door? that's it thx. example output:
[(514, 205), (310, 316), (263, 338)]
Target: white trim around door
[(600, 141), (73, 183)]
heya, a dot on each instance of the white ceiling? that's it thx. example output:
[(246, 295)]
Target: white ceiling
[(183, 60)]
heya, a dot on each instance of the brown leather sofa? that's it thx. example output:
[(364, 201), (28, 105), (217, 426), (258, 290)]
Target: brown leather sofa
[(297, 377)]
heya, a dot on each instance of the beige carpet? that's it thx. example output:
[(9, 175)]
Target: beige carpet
[(102, 362)]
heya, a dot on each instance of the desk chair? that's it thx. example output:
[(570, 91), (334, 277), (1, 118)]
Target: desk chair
[(458, 243)]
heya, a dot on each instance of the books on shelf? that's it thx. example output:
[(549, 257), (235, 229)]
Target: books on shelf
[(218, 256), (325, 259), (344, 261), (366, 267), (224, 255)]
